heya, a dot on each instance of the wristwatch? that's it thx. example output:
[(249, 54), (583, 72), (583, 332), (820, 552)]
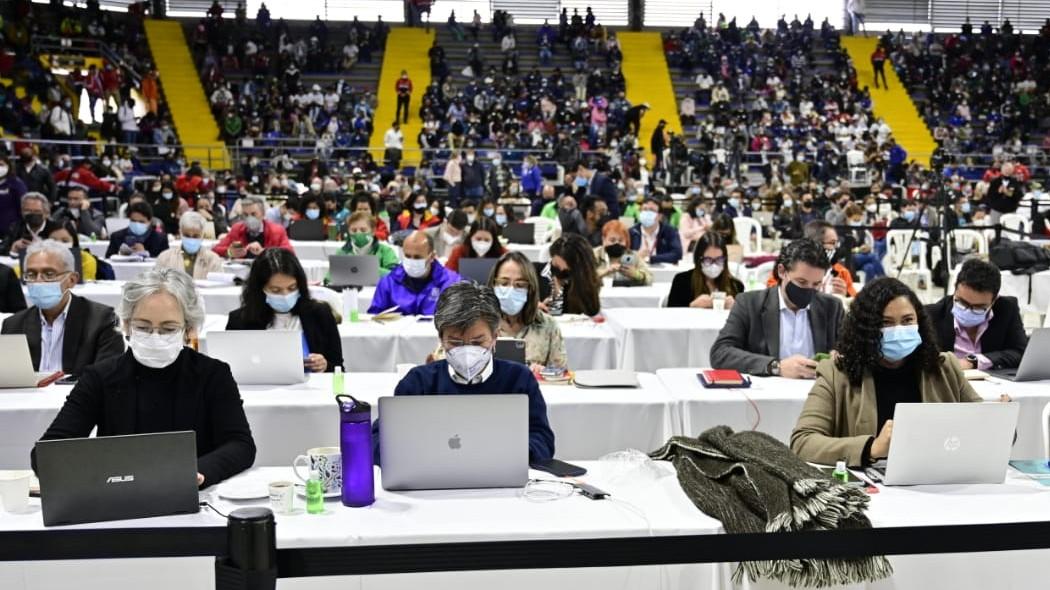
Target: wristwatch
[(773, 368), (972, 358)]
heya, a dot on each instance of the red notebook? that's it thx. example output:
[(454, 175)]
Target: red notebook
[(725, 378)]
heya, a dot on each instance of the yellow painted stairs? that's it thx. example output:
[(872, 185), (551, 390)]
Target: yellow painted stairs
[(893, 105), (648, 80), (185, 96), (406, 49)]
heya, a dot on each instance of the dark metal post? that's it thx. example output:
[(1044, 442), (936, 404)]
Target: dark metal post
[(251, 560)]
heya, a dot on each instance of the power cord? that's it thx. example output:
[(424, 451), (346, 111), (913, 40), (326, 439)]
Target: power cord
[(213, 509)]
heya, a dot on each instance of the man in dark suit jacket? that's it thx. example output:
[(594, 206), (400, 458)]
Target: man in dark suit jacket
[(653, 238), (87, 330), (11, 298), (982, 329), (601, 186), (779, 330)]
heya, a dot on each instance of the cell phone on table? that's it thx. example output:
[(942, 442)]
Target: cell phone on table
[(67, 380), (558, 468)]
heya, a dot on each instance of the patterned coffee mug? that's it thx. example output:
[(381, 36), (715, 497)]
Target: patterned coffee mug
[(327, 462)]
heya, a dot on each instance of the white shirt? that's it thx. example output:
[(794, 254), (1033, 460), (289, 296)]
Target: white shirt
[(479, 378), (393, 138), (286, 321), (51, 338), (796, 335)]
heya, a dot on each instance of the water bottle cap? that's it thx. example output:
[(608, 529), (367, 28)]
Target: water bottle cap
[(353, 410)]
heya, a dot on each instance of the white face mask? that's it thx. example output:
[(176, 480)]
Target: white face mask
[(468, 361), (415, 267), (449, 238), (156, 351), (481, 246)]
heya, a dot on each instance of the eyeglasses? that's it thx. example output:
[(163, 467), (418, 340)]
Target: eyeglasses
[(973, 308), (715, 260), (515, 284), (455, 343), (43, 277), (164, 330)]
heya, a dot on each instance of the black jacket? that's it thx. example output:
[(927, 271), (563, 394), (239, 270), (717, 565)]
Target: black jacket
[(91, 334), (38, 179), (322, 333), (18, 230), (1003, 342), (207, 402), (155, 242), (11, 298), (682, 294), (604, 188)]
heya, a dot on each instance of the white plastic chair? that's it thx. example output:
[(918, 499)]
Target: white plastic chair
[(547, 230), (1046, 318), (758, 275), (897, 251), (748, 234), (1017, 223), (859, 176)]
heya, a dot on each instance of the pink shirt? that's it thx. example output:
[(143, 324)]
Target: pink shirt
[(964, 346)]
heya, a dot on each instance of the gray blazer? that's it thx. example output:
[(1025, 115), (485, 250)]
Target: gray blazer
[(91, 334), (750, 339)]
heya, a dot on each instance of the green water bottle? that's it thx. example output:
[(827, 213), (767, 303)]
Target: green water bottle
[(840, 474), (314, 494), (337, 381)]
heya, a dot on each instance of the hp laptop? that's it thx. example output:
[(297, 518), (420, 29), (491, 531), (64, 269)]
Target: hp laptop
[(260, 357), (510, 349), (18, 364), (520, 233), (117, 477), (430, 442), (307, 230), (353, 271), (1033, 365), (476, 269), (962, 443)]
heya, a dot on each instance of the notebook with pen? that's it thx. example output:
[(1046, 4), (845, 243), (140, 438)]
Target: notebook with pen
[(723, 378)]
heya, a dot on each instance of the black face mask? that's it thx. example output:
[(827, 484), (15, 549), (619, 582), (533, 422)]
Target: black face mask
[(807, 204), (33, 220), (800, 297), (615, 250), (562, 274)]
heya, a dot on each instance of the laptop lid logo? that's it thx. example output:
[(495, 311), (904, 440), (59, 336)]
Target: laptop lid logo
[(120, 479), (455, 443), (952, 443)]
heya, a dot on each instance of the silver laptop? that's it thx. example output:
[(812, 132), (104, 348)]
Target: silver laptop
[(18, 364), (1033, 366), (476, 269), (961, 443), (260, 357), (117, 477), (353, 271), (430, 442)]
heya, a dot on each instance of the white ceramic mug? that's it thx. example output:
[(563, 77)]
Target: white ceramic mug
[(14, 490), (282, 497), (327, 462)]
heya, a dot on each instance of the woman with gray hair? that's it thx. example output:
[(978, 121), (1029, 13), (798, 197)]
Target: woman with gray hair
[(161, 385), (467, 320), (189, 256)]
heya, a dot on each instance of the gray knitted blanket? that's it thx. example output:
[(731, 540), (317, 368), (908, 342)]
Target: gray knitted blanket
[(754, 483)]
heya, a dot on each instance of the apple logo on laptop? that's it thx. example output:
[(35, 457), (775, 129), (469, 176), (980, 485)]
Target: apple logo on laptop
[(454, 443), (353, 269), (952, 443)]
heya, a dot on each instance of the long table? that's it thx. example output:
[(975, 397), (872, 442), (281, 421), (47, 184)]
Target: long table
[(657, 338), (287, 420), (773, 404), (643, 505)]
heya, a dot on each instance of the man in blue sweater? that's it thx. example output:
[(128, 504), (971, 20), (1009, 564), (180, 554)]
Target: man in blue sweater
[(467, 320)]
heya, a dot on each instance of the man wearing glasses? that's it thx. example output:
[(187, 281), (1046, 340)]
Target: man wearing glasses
[(65, 332), (983, 329)]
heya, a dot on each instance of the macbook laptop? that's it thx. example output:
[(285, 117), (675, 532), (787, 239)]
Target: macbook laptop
[(260, 357), (520, 233), (117, 477), (353, 271), (307, 230), (18, 369), (1033, 366), (510, 349), (430, 442), (476, 269), (115, 224), (961, 443)]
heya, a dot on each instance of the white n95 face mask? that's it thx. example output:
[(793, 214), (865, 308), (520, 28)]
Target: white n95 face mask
[(156, 351), (468, 361)]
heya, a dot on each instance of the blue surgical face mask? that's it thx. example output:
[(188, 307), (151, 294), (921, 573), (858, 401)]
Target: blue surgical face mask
[(138, 228), (313, 213), (734, 203), (900, 341), (282, 303), (967, 317), (580, 181), (191, 245), (511, 300), (965, 207), (647, 218), (45, 295), (501, 219), (909, 215)]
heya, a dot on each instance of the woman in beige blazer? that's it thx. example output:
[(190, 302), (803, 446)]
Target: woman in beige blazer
[(191, 254), (886, 354)]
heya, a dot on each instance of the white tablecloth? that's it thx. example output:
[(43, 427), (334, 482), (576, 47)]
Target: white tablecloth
[(656, 338), (1041, 291), (534, 252), (774, 403), (643, 296), (304, 250), (217, 300), (664, 273)]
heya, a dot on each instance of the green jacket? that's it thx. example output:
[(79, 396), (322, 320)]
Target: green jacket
[(632, 211), (550, 210), (388, 259)]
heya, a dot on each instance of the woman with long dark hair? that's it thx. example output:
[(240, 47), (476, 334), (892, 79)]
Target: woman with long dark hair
[(482, 242), (886, 354), (277, 297), (575, 284), (710, 273)]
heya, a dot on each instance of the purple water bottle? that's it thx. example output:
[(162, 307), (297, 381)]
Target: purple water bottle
[(355, 443)]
